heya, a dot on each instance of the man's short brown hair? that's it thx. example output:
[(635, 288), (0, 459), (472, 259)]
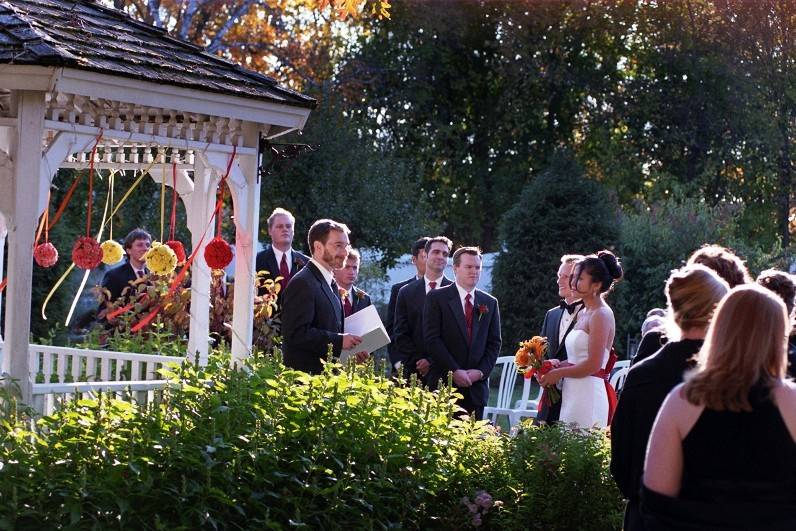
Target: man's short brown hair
[(135, 234), (438, 239), (724, 262), (353, 253), (319, 232), (457, 256)]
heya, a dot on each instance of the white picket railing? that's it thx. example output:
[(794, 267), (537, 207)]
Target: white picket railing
[(64, 373)]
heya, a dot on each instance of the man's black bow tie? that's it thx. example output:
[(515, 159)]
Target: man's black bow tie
[(570, 308)]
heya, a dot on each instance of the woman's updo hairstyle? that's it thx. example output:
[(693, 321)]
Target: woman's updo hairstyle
[(603, 267)]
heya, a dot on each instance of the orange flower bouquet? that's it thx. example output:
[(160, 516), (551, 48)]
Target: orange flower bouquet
[(530, 360)]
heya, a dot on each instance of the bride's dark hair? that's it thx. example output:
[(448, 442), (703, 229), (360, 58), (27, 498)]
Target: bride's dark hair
[(603, 267)]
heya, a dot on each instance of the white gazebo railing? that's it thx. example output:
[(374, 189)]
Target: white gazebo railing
[(63, 373)]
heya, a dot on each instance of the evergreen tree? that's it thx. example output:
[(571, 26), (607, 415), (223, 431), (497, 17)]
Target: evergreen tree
[(560, 212)]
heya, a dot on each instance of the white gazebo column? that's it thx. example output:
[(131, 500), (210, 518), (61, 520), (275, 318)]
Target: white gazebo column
[(26, 154), (199, 208), (247, 223), (3, 234)]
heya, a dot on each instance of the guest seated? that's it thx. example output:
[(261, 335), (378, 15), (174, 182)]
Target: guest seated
[(722, 453), (692, 294), (783, 285), (653, 335)]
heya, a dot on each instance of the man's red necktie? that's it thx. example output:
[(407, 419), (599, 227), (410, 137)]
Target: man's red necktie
[(284, 272), (468, 317), (347, 309), (432, 284)]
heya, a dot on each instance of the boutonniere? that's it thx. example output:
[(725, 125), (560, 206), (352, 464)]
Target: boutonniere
[(360, 294), (298, 262), (343, 293), (482, 309)]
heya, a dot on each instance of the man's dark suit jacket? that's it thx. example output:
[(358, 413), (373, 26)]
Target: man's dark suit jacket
[(555, 349), (312, 319), (118, 278), (389, 322), (361, 300), (266, 261), (445, 333), (408, 326)]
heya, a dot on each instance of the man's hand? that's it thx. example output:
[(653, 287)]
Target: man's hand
[(475, 375), (461, 378), (422, 366), (362, 357), (350, 341)]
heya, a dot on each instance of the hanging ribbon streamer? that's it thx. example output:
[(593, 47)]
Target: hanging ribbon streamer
[(86, 252), (63, 277), (173, 219), (3, 284), (162, 201), (88, 271), (177, 281)]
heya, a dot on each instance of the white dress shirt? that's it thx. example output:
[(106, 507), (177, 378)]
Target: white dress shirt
[(463, 293), (429, 280), (327, 274), (278, 255)]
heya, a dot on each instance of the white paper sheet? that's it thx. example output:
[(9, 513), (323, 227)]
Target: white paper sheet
[(367, 324)]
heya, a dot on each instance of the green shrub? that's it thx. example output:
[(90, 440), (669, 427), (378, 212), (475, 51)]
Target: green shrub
[(268, 448)]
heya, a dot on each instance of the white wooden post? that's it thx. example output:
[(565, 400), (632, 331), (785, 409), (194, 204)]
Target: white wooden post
[(21, 232), (199, 208), (3, 234), (247, 223)]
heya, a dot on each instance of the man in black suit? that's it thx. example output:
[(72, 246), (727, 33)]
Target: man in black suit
[(117, 280), (280, 259), (354, 299), (410, 351), (419, 261), (312, 312), (461, 327), (558, 322)]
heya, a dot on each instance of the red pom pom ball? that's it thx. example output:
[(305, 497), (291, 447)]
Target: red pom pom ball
[(178, 249), (45, 254), (86, 253), (218, 253)]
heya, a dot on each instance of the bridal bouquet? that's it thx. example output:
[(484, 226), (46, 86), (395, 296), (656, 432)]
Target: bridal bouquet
[(530, 360)]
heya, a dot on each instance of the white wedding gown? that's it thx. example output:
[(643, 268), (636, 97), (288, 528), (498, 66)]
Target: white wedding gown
[(584, 401)]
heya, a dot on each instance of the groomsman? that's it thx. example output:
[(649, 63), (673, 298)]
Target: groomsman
[(117, 280), (354, 299), (410, 352), (558, 322), (279, 259), (461, 327), (419, 261), (312, 313)]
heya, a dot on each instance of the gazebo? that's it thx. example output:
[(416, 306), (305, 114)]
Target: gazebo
[(74, 71)]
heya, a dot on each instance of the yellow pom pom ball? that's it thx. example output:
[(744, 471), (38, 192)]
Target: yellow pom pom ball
[(160, 259), (112, 252)]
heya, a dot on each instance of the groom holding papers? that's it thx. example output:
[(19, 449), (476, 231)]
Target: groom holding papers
[(461, 326)]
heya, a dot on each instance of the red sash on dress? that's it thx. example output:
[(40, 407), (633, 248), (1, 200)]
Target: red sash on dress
[(605, 375)]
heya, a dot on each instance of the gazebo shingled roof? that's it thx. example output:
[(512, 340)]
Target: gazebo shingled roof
[(105, 40)]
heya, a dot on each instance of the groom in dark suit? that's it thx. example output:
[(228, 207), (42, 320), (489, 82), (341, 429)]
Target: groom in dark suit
[(280, 259), (462, 332), (117, 280), (558, 323), (410, 353), (312, 313)]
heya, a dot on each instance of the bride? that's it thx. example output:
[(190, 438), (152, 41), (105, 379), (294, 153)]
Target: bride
[(584, 396)]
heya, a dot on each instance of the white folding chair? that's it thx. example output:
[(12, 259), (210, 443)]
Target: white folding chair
[(526, 407), (621, 368), (508, 378)]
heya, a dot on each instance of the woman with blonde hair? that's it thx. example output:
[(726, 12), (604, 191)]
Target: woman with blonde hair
[(722, 453), (692, 294)]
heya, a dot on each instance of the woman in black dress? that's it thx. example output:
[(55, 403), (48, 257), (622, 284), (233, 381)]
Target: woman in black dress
[(692, 294), (722, 453)]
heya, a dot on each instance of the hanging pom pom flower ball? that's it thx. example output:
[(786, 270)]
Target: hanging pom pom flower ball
[(218, 253), (160, 259), (112, 252), (178, 249), (86, 253), (45, 254)]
